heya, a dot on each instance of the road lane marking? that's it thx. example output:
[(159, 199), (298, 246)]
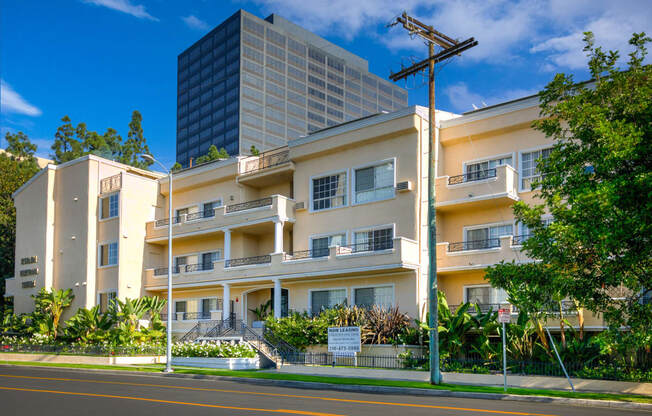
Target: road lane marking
[(295, 396), (217, 406)]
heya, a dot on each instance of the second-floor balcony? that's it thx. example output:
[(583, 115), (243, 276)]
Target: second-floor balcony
[(265, 169), (276, 207), (461, 256), (477, 189)]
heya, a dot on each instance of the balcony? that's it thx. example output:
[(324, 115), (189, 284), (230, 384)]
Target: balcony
[(396, 255), (477, 189), (266, 169), (221, 218), (476, 255)]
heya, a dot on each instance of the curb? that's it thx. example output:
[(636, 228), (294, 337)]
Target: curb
[(407, 391)]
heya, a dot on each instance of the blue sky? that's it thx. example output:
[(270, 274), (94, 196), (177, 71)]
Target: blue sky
[(98, 60)]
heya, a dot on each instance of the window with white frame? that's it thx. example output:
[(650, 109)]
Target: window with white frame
[(106, 300), (208, 208), (483, 295), (530, 166), (374, 182), (207, 259), (482, 170), (109, 254), (180, 306), (486, 237), (320, 245), (326, 299), (367, 297), (525, 232), (329, 191), (376, 239), (181, 213), (109, 206), (208, 305)]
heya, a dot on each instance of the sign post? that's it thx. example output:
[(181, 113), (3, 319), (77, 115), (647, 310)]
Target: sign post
[(344, 341), (504, 316)]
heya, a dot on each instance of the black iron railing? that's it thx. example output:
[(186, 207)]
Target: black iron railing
[(267, 160), (165, 221), (187, 316), (474, 245), (249, 205), (184, 268), (567, 307), (472, 176), (518, 240), (307, 254), (245, 261), (208, 213), (368, 246)]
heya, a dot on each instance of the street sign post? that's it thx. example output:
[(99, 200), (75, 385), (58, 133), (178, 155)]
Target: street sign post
[(344, 341), (504, 317)]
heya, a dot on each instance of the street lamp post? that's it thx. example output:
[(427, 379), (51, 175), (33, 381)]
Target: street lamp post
[(168, 349)]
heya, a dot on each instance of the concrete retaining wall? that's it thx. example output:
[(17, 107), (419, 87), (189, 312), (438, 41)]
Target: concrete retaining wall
[(81, 359)]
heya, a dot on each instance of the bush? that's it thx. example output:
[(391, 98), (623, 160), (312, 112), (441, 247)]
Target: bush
[(213, 349)]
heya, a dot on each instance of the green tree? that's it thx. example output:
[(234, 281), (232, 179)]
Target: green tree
[(597, 184), (17, 166), (66, 147), (254, 150), (213, 154), (135, 145), (49, 306)]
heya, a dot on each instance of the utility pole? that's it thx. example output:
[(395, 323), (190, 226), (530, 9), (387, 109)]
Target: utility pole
[(450, 47)]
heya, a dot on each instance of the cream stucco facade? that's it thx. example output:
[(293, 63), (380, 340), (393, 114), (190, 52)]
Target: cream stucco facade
[(337, 216)]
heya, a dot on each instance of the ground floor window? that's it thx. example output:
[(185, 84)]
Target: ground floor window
[(366, 297), (106, 300), (208, 305), (326, 299), (485, 295)]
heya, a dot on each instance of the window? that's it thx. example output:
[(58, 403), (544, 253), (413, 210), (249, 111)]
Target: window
[(484, 295), (480, 170), (374, 183), (180, 263), (109, 254), (182, 212), (208, 305), (106, 300), (207, 259), (486, 237), (371, 240), (329, 191), (320, 245), (326, 299), (109, 206), (524, 230), (367, 297), (180, 306), (529, 166), (209, 207)]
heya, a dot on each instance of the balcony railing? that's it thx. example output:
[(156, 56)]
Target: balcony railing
[(267, 160), (184, 268), (110, 184), (208, 213), (518, 240), (474, 245), (472, 176), (264, 202), (186, 316), (165, 221), (246, 261), (368, 246), (567, 306), (307, 254)]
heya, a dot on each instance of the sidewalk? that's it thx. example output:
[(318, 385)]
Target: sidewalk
[(534, 382)]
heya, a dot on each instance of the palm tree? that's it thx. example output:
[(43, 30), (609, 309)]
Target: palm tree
[(51, 305)]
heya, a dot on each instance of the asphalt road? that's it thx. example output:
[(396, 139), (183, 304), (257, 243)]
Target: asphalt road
[(29, 391)]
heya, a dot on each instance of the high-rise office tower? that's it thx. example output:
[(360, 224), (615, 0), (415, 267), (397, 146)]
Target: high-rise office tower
[(254, 82)]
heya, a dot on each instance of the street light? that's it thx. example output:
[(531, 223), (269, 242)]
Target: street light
[(168, 350)]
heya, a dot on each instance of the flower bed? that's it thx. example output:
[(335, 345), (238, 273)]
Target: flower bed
[(231, 355), (41, 344)]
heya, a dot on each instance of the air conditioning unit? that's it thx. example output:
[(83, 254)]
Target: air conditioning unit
[(404, 186), (299, 206)]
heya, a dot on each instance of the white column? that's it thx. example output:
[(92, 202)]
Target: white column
[(227, 244), (278, 236), (277, 298), (226, 301)]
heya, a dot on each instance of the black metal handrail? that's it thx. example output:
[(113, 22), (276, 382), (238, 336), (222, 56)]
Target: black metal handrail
[(518, 240), (267, 160), (198, 267), (472, 176), (368, 246), (474, 245), (307, 254), (245, 261), (161, 271), (263, 202), (207, 213), (186, 316), (165, 221)]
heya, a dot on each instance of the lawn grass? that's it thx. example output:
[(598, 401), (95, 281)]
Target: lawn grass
[(155, 368)]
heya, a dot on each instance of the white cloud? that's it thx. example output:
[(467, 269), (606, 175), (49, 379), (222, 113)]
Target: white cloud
[(12, 102), (124, 6), (462, 99), (194, 22)]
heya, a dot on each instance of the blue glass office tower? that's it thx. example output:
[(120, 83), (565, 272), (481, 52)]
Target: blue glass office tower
[(260, 82)]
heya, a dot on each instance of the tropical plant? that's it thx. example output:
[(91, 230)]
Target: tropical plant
[(262, 311), (385, 324), (49, 306), (89, 324)]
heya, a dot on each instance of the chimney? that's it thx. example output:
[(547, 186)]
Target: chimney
[(190, 163)]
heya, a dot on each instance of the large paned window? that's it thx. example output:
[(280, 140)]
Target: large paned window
[(483, 170), (484, 295), (208, 305), (329, 191), (109, 206), (326, 299), (320, 245), (530, 166), (209, 207), (367, 297), (207, 259), (486, 237), (109, 254), (524, 230), (374, 183), (372, 240)]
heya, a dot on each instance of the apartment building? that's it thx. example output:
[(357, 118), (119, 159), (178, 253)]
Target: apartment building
[(262, 82), (338, 216)]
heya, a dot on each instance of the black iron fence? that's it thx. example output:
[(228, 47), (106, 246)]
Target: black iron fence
[(376, 245), (307, 254), (245, 261), (165, 221), (267, 160), (185, 268), (474, 245), (472, 176), (187, 316), (207, 213), (263, 202)]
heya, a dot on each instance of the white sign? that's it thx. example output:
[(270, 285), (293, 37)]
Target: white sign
[(504, 316), (344, 339)]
